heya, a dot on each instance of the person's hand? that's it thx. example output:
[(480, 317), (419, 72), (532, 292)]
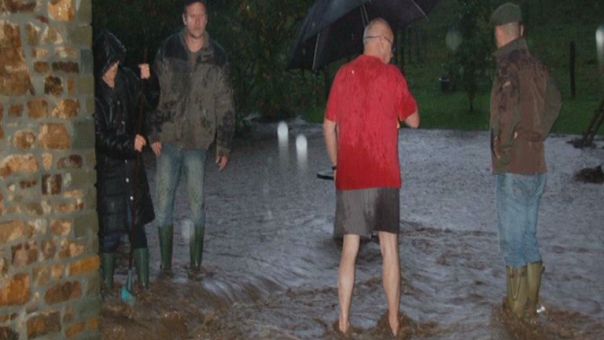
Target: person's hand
[(145, 71), (222, 161), (139, 143), (398, 124), (156, 147)]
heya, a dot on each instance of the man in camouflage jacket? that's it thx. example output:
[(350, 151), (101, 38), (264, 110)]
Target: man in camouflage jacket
[(195, 110), (525, 102)]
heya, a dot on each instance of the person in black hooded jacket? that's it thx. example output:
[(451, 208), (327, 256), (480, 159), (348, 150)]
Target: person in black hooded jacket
[(123, 199)]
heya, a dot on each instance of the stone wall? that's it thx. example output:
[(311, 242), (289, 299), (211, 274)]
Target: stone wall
[(49, 280)]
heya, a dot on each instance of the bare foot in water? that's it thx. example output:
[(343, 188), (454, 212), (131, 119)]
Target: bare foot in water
[(394, 325), (342, 328)]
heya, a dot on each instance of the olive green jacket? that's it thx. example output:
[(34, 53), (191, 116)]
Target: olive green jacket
[(525, 103), (196, 104)]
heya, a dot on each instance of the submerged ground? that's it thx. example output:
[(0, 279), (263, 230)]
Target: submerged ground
[(270, 261)]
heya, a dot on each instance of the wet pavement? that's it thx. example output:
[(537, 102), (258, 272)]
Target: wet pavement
[(270, 263)]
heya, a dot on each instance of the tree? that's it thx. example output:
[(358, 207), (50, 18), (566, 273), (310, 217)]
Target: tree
[(473, 55)]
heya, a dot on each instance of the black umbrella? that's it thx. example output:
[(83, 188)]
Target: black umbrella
[(333, 29)]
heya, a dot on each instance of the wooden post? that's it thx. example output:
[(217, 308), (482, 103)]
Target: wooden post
[(572, 69)]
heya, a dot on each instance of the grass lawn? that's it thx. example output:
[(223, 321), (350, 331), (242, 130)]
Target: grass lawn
[(551, 26)]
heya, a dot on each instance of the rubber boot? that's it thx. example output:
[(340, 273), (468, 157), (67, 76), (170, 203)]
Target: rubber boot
[(141, 261), (533, 274), (107, 267), (166, 236), (196, 249), (516, 290)]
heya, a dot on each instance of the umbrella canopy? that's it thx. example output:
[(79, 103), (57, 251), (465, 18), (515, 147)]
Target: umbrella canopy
[(333, 29)]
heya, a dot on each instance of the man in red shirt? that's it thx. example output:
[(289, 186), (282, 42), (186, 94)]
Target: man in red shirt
[(368, 100)]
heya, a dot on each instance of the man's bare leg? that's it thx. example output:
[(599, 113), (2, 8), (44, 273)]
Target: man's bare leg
[(350, 249), (391, 277)]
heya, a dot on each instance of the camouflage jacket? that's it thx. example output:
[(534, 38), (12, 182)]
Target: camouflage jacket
[(196, 104), (524, 105)]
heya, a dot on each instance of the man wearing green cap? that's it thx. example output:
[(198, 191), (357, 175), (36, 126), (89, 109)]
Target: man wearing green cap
[(525, 103)]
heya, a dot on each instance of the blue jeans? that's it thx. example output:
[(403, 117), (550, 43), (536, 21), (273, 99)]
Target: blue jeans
[(518, 198), (172, 164)]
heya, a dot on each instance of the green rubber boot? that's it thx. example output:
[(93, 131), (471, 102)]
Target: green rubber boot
[(533, 274), (141, 261), (517, 292), (166, 236), (107, 268), (196, 249)]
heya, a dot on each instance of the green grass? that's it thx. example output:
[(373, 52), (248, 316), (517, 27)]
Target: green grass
[(550, 31)]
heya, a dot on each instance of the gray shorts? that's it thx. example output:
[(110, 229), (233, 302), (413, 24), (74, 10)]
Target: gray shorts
[(362, 212)]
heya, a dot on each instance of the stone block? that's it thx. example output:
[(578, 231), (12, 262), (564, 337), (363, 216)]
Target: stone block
[(67, 108), (28, 183), (61, 228), (16, 291), (37, 108), (85, 266), (47, 160), (54, 136), (56, 271), (52, 184), (15, 73), (75, 329), (39, 53), (49, 249), (61, 10), (25, 254), (14, 230), (69, 207), (71, 249), (66, 66), (62, 292), (41, 67), (33, 35), (8, 334), (18, 164), (64, 52), (15, 6), (4, 264), (15, 111), (93, 324), (43, 324), (53, 85), (41, 276), (52, 36), (24, 139), (70, 162), (83, 132), (71, 87)]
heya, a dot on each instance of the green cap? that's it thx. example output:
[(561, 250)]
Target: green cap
[(506, 14)]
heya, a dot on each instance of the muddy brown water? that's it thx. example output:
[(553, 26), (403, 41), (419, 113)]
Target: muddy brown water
[(270, 262)]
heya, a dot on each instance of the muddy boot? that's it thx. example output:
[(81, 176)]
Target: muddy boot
[(533, 273), (166, 236), (107, 268), (196, 249), (141, 261), (516, 291)]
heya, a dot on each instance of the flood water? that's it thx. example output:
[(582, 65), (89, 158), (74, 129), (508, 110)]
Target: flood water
[(270, 263)]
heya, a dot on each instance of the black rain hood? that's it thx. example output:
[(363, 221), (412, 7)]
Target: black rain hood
[(107, 50)]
